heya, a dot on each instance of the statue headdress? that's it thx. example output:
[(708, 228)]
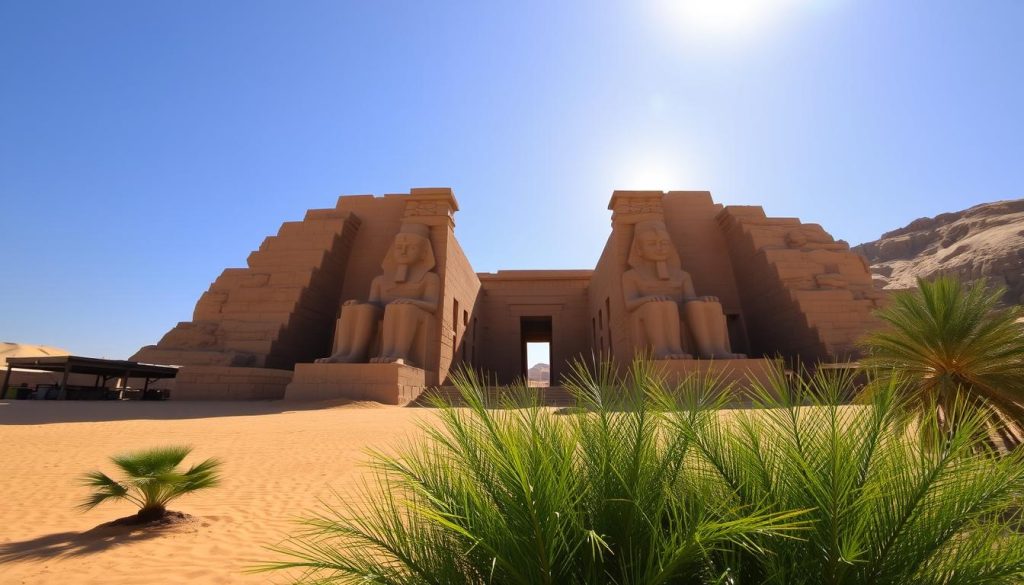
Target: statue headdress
[(414, 272), (637, 261)]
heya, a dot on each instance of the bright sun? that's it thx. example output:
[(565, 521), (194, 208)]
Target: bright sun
[(722, 17), (653, 169)]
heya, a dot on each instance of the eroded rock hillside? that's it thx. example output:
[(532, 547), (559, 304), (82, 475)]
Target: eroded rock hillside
[(985, 241)]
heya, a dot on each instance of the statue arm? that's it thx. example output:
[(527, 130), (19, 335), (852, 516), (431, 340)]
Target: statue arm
[(631, 293), (632, 296), (375, 293), (430, 298), (430, 295)]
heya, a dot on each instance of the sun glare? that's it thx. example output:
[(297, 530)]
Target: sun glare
[(720, 18), (651, 173)]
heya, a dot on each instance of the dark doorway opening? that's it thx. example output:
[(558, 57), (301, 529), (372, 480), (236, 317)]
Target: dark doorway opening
[(535, 335)]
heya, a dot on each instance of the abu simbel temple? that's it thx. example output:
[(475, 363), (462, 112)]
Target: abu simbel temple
[(375, 299)]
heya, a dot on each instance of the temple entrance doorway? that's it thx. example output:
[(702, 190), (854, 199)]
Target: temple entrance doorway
[(535, 345)]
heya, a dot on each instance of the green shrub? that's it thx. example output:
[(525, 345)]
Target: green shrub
[(151, 480), (951, 342), (656, 485), (890, 498)]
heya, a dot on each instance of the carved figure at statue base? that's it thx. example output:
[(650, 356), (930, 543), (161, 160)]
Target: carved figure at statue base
[(654, 289), (406, 294)]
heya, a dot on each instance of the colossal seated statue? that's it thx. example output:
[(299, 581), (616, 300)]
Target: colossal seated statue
[(656, 286), (407, 296)]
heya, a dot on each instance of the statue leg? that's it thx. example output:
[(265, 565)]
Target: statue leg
[(387, 336), (346, 324), (707, 323), (355, 333), (401, 322), (696, 320), (661, 324)]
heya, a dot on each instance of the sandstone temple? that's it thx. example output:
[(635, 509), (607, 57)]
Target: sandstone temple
[(375, 299)]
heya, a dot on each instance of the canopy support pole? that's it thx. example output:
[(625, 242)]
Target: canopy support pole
[(63, 392)]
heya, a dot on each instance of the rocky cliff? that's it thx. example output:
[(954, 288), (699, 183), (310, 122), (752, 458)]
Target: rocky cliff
[(985, 241)]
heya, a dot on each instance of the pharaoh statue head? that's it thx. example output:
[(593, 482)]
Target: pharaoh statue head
[(653, 248), (410, 255)]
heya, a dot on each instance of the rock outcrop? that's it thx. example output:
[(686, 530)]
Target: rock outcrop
[(983, 242), (540, 373)]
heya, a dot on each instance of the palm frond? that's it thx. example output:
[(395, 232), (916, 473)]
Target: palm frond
[(946, 338), (152, 478)]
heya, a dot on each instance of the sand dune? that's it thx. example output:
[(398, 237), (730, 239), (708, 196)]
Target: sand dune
[(11, 349), (279, 459)]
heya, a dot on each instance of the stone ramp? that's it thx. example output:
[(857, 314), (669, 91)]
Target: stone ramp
[(556, 396)]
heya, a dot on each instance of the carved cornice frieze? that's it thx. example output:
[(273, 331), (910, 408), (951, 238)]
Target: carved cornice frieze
[(419, 208), (636, 206), (431, 206)]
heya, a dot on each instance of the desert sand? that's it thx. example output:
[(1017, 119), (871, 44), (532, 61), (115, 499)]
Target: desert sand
[(279, 459)]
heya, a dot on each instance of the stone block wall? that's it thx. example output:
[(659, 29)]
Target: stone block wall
[(509, 295), (282, 308), (278, 310), (385, 383), (461, 295), (804, 294), (607, 321), (785, 287), (229, 383)]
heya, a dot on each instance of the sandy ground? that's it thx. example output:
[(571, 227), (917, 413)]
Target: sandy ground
[(279, 458)]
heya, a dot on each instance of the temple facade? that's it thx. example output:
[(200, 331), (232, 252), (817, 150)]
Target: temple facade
[(375, 299)]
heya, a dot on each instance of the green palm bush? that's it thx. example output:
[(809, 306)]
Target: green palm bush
[(521, 495), (665, 485), (948, 339), (890, 498), (151, 480)]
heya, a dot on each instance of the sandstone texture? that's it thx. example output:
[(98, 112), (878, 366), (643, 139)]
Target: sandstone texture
[(983, 242), (681, 278)]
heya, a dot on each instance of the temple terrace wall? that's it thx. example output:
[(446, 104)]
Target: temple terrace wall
[(374, 281)]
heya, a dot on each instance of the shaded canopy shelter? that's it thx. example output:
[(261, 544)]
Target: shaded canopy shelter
[(101, 368)]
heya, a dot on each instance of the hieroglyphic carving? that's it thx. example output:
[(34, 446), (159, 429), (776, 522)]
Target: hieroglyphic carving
[(640, 205), (422, 208), (634, 207)]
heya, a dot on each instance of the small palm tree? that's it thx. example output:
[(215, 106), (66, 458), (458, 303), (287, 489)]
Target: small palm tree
[(947, 339), (152, 480)]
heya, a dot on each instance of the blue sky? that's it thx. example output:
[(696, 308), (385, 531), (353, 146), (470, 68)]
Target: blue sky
[(145, 146)]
